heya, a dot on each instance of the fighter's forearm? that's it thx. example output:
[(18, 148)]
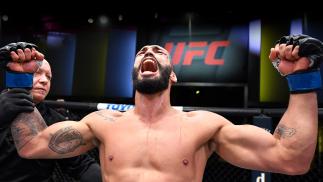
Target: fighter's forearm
[(297, 130), (26, 126)]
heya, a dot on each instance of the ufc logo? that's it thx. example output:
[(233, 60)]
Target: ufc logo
[(193, 51)]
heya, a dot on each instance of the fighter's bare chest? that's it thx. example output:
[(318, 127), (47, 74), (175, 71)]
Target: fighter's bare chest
[(150, 145)]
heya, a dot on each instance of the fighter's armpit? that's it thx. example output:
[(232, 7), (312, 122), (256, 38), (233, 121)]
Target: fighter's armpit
[(96, 142), (66, 140)]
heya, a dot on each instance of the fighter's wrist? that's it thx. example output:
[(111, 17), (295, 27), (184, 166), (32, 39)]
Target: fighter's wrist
[(304, 82), (19, 80)]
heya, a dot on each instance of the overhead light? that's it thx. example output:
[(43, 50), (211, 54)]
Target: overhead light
[(103, 20), (120, 17), (5, 17), (90, 20)]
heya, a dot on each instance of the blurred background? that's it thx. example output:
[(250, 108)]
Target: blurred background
[(220, 58)]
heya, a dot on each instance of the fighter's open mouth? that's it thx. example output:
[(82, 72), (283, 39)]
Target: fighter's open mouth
[(149, 65)]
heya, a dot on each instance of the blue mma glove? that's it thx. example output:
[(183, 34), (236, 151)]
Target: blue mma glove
[(310, 79), (16, 79)]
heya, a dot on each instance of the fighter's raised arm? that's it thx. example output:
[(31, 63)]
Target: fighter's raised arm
[(34, 139), (291, 148)]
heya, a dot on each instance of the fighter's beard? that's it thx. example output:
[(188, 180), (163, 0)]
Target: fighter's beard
[(152, 85)]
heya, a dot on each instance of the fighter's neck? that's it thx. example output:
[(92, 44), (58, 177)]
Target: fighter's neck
[(152, 105)]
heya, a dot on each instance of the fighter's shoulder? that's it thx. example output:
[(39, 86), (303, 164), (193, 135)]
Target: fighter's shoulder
[(202, 113), (206, 116), (104, 115)]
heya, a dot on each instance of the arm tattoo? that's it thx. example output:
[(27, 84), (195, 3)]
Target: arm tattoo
[(26, 126), (284, 132), (106, 117), (66, 140)]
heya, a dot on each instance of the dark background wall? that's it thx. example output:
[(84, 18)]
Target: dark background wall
[(92, 52)]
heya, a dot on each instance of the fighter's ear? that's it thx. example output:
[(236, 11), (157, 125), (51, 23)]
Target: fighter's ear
[(173, 77)]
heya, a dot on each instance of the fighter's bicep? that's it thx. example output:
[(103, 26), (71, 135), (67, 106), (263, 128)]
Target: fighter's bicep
[(60, 140), (71, 137), (253, 144), (245, 136)]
